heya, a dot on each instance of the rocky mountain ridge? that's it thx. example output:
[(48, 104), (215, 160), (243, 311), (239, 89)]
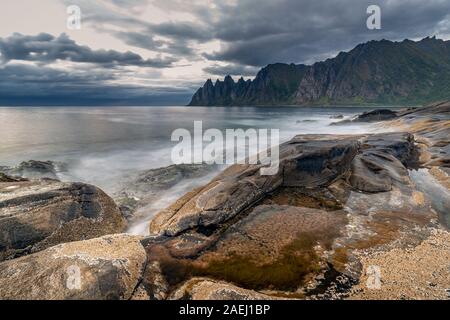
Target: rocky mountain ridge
[(376, 72)]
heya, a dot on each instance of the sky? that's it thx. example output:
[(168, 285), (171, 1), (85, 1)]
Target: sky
[(158, 52)]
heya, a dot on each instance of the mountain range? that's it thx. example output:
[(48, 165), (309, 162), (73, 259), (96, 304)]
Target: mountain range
[(375, 72)]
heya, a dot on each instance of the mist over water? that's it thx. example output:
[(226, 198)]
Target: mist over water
[(102, 145), (139, 225)]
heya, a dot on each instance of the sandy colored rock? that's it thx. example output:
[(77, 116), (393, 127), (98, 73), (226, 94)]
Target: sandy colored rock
[(422, 272), (431, 127), (208, 289), (441, 176), (109, 267)]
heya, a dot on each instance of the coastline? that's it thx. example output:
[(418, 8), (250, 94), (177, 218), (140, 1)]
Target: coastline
[(380, 220)]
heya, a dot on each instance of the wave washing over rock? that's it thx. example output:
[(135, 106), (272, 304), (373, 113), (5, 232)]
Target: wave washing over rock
[(339, 205)]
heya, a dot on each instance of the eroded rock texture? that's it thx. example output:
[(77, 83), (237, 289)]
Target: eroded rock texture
[(295, 234), (209, 289), (35, 215), (338, 205), (109, 267)]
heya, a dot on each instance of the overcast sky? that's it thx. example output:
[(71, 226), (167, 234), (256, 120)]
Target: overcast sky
[(160, 51)]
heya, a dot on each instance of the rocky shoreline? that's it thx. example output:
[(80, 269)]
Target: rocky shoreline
[(344, 218)]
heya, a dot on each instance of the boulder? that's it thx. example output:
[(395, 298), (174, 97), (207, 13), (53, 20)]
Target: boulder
[(310, 162), (6, 178), (381, 162), (313, 161), (376, 115), (209, 289), (213, 204), (305, 161), (35, 215), (371, 116), (109, 267), (33, 169), (431, 126), (294, 233)]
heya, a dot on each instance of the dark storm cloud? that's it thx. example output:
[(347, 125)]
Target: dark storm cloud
[(140, 40), (33, 85), (251, 34), (130, 3), (231, 69), (180, 48), (179, 38), (259, 32), (183, 30), (46, 48)]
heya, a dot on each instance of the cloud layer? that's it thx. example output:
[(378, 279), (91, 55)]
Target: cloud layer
[(259, 32), (46, 48), (169, 47)]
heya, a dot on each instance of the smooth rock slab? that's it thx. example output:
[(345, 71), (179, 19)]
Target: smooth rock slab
[(103, 268), (268, 229), (35, 215), (381, 162), (305, 161)]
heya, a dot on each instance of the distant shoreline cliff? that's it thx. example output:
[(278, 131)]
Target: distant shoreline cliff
[(376, 72)]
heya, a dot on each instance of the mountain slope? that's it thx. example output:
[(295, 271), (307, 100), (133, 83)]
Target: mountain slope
[(374, 72)]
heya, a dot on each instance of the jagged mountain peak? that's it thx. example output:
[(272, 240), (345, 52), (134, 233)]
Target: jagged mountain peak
[(376, 72)]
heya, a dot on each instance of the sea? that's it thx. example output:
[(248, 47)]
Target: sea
[(102, 145)]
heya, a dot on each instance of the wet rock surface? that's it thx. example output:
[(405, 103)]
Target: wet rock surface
[(358, 188), (305, 161), (35, 215), (310, 162), (6, 178), (109, 267), (371, 116), (382, 162), (33, 169), (339, 207), (431, 126), (142, 189), (299, 233)]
